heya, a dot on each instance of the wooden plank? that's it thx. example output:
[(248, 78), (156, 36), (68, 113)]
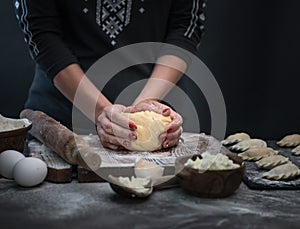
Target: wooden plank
[(59, 171), (84, 175)]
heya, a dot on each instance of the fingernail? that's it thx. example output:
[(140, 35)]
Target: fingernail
[(165, 110), (166, 144), (132, 126), (133, 136), (126, 143), (163, 139), (169, 130)]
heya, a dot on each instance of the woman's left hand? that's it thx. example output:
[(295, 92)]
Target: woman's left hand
[(173, 130)]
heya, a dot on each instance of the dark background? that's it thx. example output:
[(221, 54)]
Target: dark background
[(251, 46)]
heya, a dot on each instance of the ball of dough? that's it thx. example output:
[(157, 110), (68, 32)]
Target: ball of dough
[(150, 126)]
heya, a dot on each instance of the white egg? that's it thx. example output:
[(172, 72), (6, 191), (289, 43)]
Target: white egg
[(8, 160), (30, 172)]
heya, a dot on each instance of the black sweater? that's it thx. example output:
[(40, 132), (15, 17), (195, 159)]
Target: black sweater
[(63, 32)]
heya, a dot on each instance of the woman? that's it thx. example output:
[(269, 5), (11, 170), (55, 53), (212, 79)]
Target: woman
[(66, 37)]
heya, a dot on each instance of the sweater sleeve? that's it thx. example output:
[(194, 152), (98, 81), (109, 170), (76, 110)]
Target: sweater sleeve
[(185, 27), (40, 23)]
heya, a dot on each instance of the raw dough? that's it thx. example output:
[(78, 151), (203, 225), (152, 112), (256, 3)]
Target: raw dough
[(296, 151), (271, 161), (281, 172), (290, 140), (248, 143), (254, 154), (150, 126), (235, 138)]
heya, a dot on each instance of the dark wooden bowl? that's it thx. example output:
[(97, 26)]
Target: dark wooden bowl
[(211, 184), (14, 139), (124, 191)]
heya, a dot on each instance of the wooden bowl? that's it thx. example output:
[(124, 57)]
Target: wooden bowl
[(128, 192), (14, 139), (209, 183)]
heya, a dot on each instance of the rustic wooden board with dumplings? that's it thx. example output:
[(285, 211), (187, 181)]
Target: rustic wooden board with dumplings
[(254, 176)]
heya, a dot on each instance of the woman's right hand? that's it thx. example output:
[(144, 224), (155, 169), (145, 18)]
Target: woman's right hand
[(114, 129)]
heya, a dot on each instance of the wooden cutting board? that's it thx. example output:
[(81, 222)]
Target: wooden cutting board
[(119, 163), (59, 171)]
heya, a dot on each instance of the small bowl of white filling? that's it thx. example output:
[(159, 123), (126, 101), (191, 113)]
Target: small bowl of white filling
[(211, 175)]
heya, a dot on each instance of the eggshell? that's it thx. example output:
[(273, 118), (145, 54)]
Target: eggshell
[(151, 172), (30, 172), (147, 169), (8, 160)]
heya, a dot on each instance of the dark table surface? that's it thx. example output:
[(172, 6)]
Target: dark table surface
[(95, 205)]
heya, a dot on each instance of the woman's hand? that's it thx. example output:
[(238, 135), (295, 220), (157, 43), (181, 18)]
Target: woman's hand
[(114, 129), (173, 130)]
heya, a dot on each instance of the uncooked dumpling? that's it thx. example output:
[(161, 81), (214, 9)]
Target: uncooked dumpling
[(281, 172), (290, 140), (271, 161), (296, 151), (254, 154), (150, 126), (248, 143), (235, 138)]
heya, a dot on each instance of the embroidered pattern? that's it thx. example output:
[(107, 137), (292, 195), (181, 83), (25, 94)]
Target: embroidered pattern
[(22, 13), (196, 15), (112, 16)]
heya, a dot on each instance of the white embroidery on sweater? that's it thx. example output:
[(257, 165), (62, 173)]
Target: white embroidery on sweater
[(195, 18), (113, 16), (25, 25)]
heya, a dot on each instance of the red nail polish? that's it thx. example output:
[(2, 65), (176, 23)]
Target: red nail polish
[(166, 144), (165, 110), (132, 126), (169, 130)]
